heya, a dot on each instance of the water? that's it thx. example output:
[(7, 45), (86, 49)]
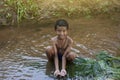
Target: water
[(22, 50)]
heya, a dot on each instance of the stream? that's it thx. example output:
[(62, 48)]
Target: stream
[(22, 49)]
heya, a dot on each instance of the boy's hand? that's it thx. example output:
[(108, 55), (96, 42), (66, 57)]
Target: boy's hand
[(63, 72), (56, 73)]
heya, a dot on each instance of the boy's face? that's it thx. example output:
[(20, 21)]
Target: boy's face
[(61, 32)]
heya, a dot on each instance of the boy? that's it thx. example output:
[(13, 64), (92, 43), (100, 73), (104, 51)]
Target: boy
[(61, 46)]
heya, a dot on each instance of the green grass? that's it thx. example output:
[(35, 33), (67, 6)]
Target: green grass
[(104, 66), (38, 9)]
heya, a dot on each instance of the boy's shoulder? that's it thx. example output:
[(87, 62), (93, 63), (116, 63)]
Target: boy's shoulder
[(70, 39), (54, 38)]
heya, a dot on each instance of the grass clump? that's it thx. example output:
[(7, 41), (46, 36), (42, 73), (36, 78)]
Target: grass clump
[(104, 66)]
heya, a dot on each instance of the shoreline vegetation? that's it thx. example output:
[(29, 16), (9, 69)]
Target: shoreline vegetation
[(103, 67), (16, 11)]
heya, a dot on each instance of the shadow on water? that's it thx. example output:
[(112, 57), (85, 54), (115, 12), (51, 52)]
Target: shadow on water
[(22, 54)]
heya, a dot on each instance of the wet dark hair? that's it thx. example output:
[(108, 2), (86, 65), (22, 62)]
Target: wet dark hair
[(61, 22)]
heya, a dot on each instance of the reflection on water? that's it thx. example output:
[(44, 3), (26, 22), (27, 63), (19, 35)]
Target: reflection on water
[(22, 55)]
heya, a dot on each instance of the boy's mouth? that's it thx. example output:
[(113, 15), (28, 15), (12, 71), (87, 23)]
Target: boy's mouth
[(62, 36)]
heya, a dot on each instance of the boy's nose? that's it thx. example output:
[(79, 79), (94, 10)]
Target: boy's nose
[(61, 33)]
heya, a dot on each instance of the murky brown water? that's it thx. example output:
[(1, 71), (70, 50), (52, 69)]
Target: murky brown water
[(22, 50)]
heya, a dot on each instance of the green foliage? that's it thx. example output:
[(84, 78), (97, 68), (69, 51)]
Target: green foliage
[(109, 59), (26, 9), (103, 67), (37, 9)]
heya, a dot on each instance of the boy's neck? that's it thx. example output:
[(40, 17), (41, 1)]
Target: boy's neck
[(62, 39)]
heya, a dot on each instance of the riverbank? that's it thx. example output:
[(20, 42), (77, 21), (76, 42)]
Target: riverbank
[(16, 11)]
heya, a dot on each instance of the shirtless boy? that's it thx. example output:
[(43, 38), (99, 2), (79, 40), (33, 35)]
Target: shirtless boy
[(60, 51)]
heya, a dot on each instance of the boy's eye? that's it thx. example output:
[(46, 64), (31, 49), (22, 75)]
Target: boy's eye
[(59, 30), (64, 31)]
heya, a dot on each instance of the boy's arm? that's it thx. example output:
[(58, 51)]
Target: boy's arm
[(55, 59), (64, 57), (65, 53)]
